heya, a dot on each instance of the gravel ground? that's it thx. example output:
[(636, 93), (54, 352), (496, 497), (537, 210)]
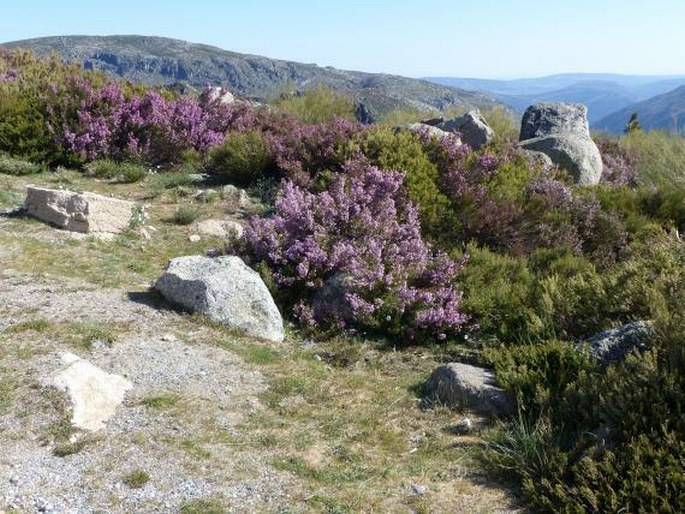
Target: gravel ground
[(191, 451)]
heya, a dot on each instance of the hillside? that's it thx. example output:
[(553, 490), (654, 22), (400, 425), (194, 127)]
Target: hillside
[(161, 61), (665, 112)]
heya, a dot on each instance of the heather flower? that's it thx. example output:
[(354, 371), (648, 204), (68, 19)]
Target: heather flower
[(352, 255)]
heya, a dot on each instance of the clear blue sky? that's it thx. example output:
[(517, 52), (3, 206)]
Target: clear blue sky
[(472, 38)]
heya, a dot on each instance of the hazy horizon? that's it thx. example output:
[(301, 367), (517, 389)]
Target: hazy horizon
[(491, 39)]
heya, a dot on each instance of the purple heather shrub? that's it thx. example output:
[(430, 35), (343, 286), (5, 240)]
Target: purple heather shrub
[(301, 150), (558, 216), (620, 165), (9, 75), (353, 256), (104, 122)]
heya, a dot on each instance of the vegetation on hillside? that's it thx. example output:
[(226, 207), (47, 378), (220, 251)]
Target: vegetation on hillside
[(421, 241)]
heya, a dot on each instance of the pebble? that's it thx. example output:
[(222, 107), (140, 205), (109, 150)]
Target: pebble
[(418, 490)]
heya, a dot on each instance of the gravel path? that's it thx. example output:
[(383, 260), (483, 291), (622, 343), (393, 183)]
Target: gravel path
[(191, 451)]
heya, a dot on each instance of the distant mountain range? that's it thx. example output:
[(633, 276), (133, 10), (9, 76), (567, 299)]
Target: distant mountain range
[(662, 112), (610, 98), (163, 61)]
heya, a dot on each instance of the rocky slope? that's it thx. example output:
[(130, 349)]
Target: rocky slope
[(159, 61)]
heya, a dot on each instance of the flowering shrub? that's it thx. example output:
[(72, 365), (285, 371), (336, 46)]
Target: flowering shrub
[(302, 151), (402, 151), (353, 256), (98, 122), (620, 164)]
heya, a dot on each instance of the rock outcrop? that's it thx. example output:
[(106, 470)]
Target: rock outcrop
[(428, 129), (217, 94), (561, 131), (78, 212), (219, 228), (94, 394), (237, 200), (225, 289), (472, 127), (459, 385), (613, 345)]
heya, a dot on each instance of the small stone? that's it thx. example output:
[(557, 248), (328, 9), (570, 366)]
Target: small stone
[(418, 490), (94, 394), (458, 385), (194, 238), (464, 426)]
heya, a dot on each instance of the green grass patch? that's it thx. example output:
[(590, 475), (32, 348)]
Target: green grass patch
[(163, 401), (136, 478), (11, 166), (35, 325), (120, 172), (209, 506), (195, 449), (7, 388)]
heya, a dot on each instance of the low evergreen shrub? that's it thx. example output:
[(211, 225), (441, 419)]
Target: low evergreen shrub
[(11, 166), (242, 159)]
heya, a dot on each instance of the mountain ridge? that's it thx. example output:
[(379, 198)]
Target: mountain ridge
[(603, 93), (154, 60)]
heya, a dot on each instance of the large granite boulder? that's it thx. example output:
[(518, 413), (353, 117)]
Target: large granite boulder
[(459, 385), (472, 128), (225, 289), (78, 212), (561, 132), (613, 345), (546, 119)]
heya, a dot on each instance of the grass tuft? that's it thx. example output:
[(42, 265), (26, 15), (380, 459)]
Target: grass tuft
[(136, 478)]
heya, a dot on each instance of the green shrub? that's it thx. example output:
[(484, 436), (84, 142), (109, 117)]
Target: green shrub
[(121, 172), (497, 295), (503, 122), (619, 431), (12, 166), (318, 105), (538, 374), (185, 215), (661, 157), (402, 151), (405, 115), (242, 159)]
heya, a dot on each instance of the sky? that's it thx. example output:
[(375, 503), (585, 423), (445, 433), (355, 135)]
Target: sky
[(472, 38)]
